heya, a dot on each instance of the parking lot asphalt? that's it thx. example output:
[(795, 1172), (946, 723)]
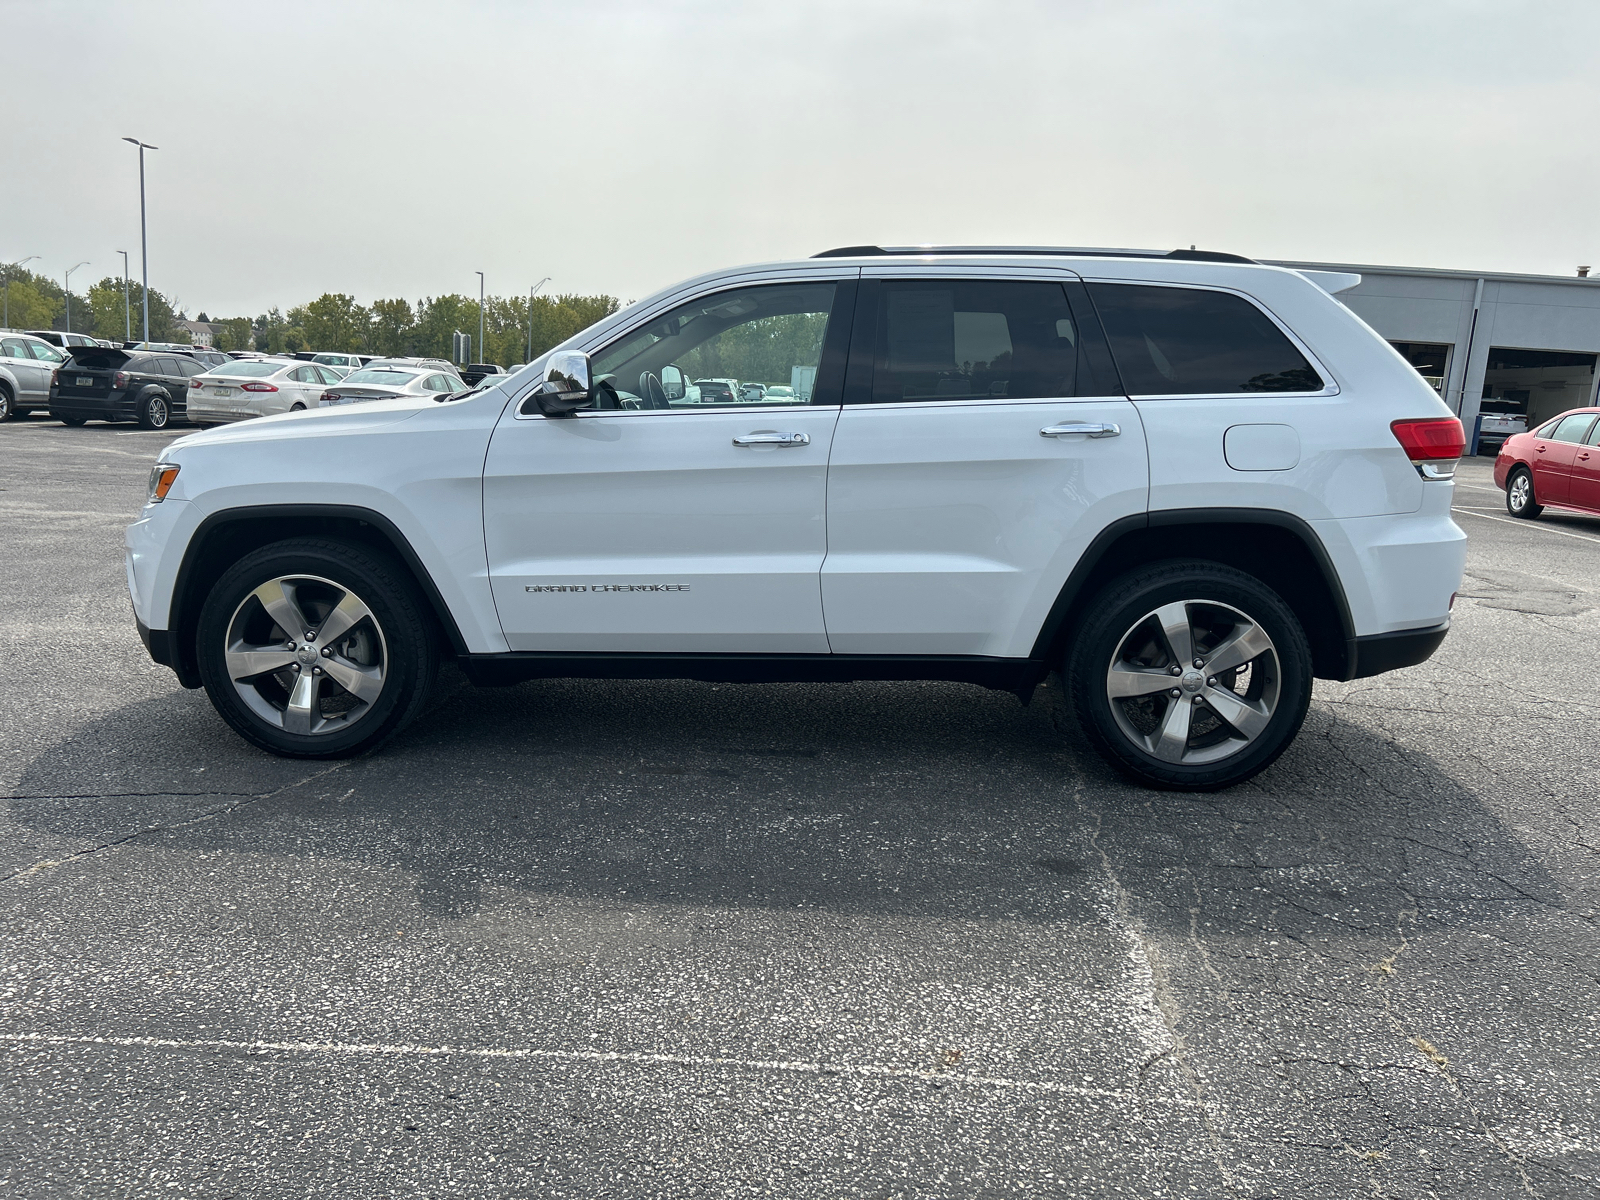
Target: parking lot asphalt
[(578, 939)]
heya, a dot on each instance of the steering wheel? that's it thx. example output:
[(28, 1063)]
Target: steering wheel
[(651, 391)]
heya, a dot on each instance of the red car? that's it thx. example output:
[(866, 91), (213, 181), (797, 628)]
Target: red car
[(1556, 464)]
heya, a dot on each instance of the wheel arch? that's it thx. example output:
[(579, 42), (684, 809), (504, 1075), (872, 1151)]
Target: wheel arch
[(223, 538), (1279, 548)]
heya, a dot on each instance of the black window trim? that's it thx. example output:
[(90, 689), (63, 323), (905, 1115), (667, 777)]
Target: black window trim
[(1330, 385), (1094, 353), (836, 345)]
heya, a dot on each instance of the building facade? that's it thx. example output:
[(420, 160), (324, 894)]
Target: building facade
[(1511, 349)]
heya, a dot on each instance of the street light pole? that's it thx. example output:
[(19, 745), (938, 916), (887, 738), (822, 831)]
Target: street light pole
[(144, 244), (9, 268), (531, 291), (481, 358), (127, 313), (68, 290)]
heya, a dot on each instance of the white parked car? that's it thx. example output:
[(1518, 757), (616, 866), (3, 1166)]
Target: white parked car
[(344, 362), (389, 383), (1187, 482), (257, 387)]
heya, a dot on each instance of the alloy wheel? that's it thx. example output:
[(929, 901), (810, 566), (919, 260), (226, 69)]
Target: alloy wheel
[(306, 655), (156, 412), (1521, 489), (1194, 682)]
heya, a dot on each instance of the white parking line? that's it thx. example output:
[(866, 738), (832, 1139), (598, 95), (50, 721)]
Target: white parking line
[(1582, 537), (800, 1067)]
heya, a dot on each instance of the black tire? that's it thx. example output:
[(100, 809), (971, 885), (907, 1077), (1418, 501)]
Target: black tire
[(8, 406), (155, 410), (1219, 602), (297, 408), (74, 422), (405, 647), (1520, 500)]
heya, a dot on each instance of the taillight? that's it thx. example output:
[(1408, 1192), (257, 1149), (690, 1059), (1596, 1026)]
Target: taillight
[(119, 380), (1433, 444), (194, 383), (259, 387), (55, 378), (331, 397)]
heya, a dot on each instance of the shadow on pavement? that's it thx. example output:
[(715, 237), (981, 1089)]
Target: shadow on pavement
[(930, 799)]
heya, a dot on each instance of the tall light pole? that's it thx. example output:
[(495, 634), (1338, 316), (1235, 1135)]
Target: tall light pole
[(144, 244), (531, 291), (481, 358), (9, 268), (68, 290), (127, 315)]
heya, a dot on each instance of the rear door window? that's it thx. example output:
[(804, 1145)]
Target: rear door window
[(1181, 341), (974, 339)]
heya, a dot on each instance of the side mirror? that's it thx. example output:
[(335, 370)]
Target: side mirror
[(565, 386), (673, 383)]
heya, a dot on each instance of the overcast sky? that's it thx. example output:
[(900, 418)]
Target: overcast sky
[(395, 148)]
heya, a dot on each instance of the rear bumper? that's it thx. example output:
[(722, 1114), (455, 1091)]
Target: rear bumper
[(118, 406), (1381, 652)]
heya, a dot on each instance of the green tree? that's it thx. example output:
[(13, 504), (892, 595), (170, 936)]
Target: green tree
[(437, 318), (34, 301), (393, 328), (234, 333), (334, 321)]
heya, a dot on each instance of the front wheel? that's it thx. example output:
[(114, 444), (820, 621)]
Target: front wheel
[(316, 649), (8, 407), (155, 411), (1190, 675), (1519, 495)]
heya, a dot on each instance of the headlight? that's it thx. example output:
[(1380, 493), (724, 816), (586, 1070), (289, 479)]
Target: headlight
[(162, 476)]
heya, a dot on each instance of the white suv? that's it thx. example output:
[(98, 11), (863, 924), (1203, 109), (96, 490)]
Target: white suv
[(1188, 482)]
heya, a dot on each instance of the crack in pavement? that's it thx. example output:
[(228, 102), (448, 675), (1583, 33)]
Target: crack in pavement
[(244, 799)]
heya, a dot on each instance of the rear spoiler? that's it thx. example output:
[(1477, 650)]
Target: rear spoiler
[(1332, 282)]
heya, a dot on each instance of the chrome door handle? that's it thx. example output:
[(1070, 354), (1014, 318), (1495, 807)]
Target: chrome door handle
[(767, 437), (1094, 429)]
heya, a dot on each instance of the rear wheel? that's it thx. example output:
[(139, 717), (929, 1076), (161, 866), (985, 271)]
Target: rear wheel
[(155, 411), (1190, 675), (74, 422), (316, 649), (297, 408), (1519, 495)]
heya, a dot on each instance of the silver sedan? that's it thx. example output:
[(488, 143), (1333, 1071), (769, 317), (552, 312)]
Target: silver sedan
[(258, 387), (389, 383)]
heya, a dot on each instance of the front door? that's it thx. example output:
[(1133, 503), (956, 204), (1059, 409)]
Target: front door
[(978, 453), (1553, 458), (662, 521), (1586, 471)]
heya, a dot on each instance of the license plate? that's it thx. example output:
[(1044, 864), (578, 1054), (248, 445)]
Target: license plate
[(222, 391), (84, 381)]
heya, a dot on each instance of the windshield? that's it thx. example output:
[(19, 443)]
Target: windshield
[(381, 377), (251, 370)]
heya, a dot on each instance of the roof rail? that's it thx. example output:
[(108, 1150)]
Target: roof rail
[(1061, 251)]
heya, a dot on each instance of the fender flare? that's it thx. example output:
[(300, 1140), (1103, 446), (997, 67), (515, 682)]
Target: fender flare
[(1086, 571), (184, 611)]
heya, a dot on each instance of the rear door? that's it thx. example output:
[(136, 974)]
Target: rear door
[(982, 446)]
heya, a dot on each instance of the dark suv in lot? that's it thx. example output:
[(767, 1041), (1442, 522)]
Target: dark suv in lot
[(150, 387)]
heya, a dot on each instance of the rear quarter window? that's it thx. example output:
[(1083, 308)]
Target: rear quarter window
[(1183, 341)]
